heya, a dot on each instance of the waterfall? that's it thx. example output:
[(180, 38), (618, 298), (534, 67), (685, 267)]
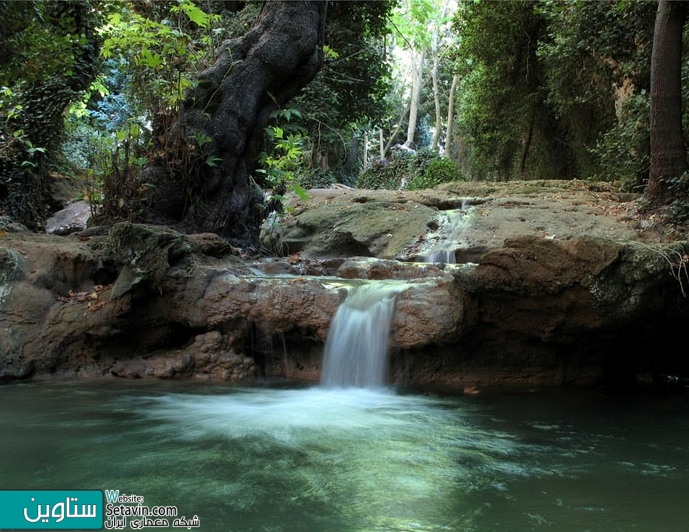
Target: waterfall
[(357, 345), (450, 226), (446, 256)]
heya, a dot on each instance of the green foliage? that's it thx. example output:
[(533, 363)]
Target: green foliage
[(155, 51), (44, 40), (435, 172), (623, 151), (677, 188), (597, 63), (409, 24), (52, 58), (545, 84), (380, 176), (10, 107), (502, 98), (163, 56), (413, 170), (279, 167), (351, 88), (317, 178)]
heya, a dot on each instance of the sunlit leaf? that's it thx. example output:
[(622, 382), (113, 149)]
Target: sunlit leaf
[(196, 15)]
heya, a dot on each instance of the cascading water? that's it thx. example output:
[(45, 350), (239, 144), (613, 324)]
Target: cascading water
[(446, 256), (357, 345), (450, 223)]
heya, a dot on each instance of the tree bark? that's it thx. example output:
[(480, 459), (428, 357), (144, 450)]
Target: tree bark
[(417, 81), (251, 77), (527, 145), (450, 116), (436, 95), (668, 153), (351, 163)]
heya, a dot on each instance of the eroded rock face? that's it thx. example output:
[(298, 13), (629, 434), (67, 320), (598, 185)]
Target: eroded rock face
[(146, 301)]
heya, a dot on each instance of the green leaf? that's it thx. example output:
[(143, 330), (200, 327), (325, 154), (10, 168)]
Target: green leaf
[(149, 59), (196, 15), (329, 52), (213, 161), (300, 192)]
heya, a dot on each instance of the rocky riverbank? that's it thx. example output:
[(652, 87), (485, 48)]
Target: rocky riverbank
[(553, 283)]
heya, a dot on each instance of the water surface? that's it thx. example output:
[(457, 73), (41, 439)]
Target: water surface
[(314, 459)]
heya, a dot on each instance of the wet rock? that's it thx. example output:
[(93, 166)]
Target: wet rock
[(406, 225)]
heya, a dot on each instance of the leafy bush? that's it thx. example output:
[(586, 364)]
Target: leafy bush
[(413, 170), (317, 178), (678, 189), (436, 172), (624, 150), (381, 175)]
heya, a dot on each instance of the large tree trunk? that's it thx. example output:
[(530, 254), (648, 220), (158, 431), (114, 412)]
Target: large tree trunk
[(668, 154), (252, 76)]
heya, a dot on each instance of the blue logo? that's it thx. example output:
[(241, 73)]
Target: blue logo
[(51, 509)]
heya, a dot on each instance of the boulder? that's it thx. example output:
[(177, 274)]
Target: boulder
[(73, 218)]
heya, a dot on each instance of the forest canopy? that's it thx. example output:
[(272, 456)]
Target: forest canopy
[(186, 112)]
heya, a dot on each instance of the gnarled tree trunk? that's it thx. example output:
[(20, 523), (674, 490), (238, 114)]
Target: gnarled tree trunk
[(668, 153), (251, 77)]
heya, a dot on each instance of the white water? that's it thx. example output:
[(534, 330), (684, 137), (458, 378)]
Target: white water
[(446, 256), (357, 345), (448, 237)]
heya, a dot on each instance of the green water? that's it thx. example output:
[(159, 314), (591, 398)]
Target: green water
[(278, 459)]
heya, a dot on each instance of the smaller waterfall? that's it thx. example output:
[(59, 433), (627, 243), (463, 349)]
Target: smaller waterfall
[(357, 345), (450, 225), (446, 256)]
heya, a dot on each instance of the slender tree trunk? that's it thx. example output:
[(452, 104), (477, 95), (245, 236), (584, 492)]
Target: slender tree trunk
[(450, 116), (383, 148), (668, 153), (251, 77), (527, 145), (417, 82), (352, 159), (365, 156), (436, 97)]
